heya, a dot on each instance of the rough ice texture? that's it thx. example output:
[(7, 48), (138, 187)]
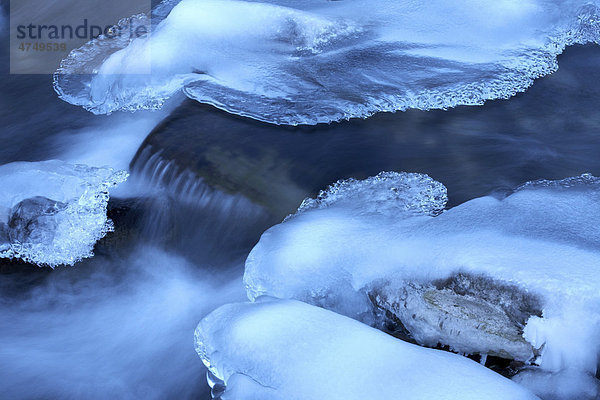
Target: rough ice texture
[(525, 267), (389, 193), (290, 62), (51, 212), (288, 350)]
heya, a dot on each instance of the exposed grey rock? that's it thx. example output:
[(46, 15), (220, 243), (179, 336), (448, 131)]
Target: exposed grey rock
[(470, 314)]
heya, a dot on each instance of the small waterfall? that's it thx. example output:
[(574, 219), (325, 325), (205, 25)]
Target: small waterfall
[(185, 214), (187, 187)]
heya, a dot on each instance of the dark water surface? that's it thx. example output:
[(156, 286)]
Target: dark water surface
[(551, 131)]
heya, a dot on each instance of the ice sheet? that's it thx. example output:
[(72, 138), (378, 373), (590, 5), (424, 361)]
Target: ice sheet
[(315, 61)]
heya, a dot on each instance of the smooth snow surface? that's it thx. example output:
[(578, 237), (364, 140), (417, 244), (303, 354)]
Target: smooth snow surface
[(542, 242), (288, 350), (313, 61), (53, 212)]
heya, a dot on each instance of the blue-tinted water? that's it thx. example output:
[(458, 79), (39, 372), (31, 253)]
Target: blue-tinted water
[(121, 325)]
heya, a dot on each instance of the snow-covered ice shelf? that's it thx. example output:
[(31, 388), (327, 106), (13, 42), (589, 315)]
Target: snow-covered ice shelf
[(517, 277), (315, 61)]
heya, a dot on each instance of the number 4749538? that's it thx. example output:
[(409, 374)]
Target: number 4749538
[(50, 46)]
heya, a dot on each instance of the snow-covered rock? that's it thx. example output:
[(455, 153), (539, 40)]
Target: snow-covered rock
[(51, 212), (517, 277), (289, 350)]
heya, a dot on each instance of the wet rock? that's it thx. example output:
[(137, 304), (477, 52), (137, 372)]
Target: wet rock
[(230, 154), (470, 314)]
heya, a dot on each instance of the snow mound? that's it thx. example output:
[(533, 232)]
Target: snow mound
[(517, 277), (51, 212), (309, 62), (288, 350)]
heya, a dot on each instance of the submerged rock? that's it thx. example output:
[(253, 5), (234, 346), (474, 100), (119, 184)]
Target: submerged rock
[(473, 150), (229, 155)]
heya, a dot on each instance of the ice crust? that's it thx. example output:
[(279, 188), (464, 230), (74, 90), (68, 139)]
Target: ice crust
[(52, 213), (288, 350), (315, 61), (541, 244), (387, 193)]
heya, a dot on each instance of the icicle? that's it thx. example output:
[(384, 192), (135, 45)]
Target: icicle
[(483, 359)]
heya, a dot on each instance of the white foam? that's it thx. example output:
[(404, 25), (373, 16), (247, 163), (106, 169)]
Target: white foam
[(121, 330)]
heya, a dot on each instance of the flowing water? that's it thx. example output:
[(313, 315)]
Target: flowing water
[(121, 324)]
